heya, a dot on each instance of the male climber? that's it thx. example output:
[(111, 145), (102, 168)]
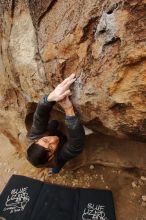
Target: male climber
[(50, 147)]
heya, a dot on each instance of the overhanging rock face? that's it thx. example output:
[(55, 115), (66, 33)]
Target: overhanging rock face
[(103, 42)]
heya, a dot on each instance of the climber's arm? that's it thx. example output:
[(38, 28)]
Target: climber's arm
[(41, 117), (76, 135), (42, 113)]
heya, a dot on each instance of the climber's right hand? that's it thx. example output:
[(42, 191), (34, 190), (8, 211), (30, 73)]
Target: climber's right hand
[(62, 90)]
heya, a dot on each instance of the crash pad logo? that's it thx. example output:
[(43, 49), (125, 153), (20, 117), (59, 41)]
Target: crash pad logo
[(94, 212), (17, 200)]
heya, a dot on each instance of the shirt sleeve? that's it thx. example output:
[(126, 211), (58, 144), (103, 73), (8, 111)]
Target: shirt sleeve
[(41, 118), (76, 139)]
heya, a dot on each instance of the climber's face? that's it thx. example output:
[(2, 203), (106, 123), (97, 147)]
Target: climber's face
[(50, 143)]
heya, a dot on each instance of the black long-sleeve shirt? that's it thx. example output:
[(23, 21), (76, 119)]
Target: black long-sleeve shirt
[(76, 135)]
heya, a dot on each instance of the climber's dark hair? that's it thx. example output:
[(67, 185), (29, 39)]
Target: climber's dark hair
[(37, 155)]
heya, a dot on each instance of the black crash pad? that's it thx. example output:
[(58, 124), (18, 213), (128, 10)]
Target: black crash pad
[(24, 198)]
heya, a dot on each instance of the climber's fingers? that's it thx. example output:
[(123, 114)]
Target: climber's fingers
[(68, 81)]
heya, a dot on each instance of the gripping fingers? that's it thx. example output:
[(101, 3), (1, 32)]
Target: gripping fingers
[(66, 93), (68, 84), (68, 79)]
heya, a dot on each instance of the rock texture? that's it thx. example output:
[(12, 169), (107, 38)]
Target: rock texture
[(103, 42)]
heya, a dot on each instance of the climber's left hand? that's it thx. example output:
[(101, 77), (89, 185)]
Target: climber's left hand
[(62, 90)]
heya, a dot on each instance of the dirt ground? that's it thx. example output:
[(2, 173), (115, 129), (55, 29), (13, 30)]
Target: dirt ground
[(128, 185)]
